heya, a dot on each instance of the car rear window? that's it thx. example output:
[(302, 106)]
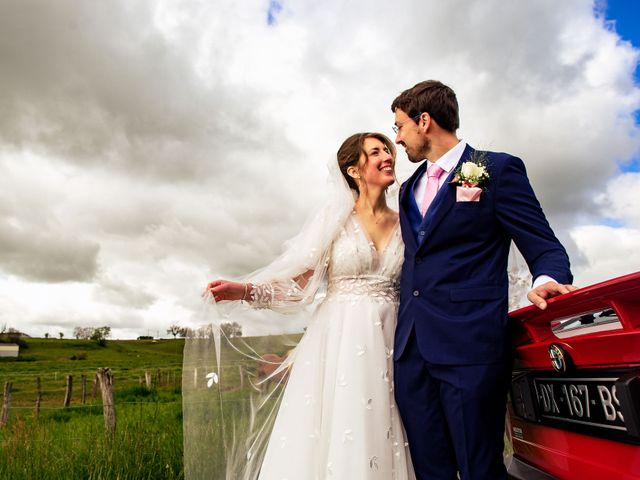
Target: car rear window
[(588, 322)]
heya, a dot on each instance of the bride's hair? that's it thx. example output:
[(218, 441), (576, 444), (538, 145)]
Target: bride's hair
[(351, 149)]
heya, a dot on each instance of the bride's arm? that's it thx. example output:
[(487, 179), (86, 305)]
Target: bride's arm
[(276, 295)]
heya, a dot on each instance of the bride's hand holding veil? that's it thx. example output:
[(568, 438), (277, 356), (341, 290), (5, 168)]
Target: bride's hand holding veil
[(227, 290)]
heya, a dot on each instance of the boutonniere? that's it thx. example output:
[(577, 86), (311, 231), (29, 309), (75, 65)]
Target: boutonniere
[(470, 177)]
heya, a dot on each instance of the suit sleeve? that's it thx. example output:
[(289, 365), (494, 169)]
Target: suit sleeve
[(521, 216)]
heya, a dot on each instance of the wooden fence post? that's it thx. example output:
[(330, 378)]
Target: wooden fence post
[(147, 379), (68, 391), (38, 397), (6, 403), (108, 408), (83, 380)]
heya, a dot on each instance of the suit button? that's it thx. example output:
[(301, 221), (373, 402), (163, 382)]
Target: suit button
[(421, 233), (416, 293)]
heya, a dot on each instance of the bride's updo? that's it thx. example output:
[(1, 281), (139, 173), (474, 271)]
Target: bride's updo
[(351, 149)]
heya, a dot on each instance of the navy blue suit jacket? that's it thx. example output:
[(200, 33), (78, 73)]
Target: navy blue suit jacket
[(454, 287)]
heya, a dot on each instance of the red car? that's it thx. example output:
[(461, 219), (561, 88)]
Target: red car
[(574, 410)]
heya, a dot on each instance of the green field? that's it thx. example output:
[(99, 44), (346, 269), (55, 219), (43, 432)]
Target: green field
[(72, 443), (53, 360)]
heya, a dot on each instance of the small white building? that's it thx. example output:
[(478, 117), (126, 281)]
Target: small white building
[(9, 350)]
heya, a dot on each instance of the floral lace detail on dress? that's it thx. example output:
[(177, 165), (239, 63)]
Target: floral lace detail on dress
[(357, 269), (363, 287)]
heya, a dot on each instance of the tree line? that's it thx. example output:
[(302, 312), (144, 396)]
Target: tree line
[(229, 329), (97, 334)]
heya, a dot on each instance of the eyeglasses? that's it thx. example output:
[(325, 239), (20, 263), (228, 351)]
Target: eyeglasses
[(396, 128)]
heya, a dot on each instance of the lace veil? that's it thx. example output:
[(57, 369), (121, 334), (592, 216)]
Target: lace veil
[(232, 385)]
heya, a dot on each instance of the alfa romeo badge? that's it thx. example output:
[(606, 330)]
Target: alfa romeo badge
[(560, 360)]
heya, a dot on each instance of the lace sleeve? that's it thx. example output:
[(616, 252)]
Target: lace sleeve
[(283, 296)]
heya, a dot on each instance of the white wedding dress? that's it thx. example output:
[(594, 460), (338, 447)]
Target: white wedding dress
[(338, 418)]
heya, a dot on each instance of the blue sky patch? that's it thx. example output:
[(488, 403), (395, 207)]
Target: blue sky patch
[(275, 7), (631, 166), (612, 222), (624, 16)]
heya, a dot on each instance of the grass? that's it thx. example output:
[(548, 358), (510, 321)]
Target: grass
[(72, 443)]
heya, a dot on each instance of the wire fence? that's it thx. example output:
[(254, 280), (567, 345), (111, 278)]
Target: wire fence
[(55, 390), (47, 392)]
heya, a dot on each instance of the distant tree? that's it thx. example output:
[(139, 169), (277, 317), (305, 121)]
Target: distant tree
[(83, 333), (61, 335), (46, 335), (174, 330), (15, 336), (100, 335), (231, 329), (185, 332)]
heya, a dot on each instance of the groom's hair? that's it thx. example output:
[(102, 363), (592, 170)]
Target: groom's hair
[(433, 97)]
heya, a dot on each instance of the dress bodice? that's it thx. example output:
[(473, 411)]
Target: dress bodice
[(357, 269)]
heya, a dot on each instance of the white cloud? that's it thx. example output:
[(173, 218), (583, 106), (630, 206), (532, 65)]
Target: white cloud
[(609, 252), (147, 147), (620, 199)]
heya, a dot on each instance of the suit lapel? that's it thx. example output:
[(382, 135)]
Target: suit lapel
[(444, 200)]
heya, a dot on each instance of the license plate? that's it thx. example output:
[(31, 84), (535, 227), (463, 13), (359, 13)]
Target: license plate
[(591, 402), (598, 403)]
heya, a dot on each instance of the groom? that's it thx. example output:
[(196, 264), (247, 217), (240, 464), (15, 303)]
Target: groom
[(452, 349)]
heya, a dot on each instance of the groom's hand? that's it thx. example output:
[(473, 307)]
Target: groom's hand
[(539, 295)]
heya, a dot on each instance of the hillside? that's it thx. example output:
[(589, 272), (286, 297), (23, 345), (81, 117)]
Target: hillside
[(53, 359)]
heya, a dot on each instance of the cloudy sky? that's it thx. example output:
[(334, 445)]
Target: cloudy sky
[(147, 147)]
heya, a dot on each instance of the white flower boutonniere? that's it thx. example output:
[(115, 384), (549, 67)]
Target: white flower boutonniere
[(470, 176)]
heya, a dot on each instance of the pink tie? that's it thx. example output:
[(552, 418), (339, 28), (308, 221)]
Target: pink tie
[(433, 174)]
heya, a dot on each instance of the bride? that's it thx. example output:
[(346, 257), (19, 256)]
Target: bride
[(336, 415)]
